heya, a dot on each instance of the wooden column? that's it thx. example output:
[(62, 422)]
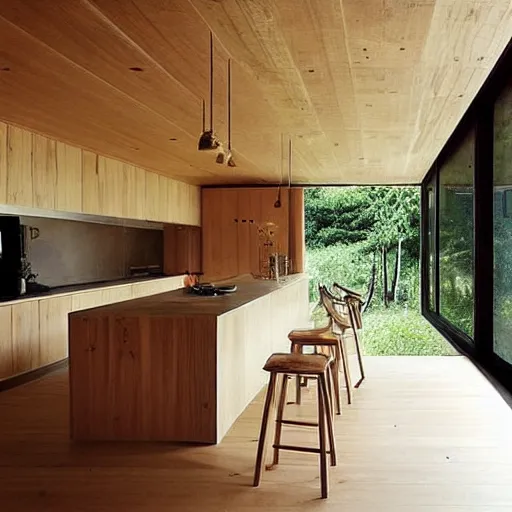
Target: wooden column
[(297, 244)]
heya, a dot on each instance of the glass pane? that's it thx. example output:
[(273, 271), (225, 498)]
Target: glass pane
[(431, 250), (456, 236), (503, 226)]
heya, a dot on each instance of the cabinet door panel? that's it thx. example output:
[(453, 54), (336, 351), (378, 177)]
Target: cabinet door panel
[(25, 336), (53, 322), (6, 368)]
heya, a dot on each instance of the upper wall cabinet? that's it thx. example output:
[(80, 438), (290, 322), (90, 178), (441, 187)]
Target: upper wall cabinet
[(39, 172)]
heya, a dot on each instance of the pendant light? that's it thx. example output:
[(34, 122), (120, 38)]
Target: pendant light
[(208, 141), (277, 204)]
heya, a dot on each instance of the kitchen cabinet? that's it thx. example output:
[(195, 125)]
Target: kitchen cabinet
[(5, 341), (53, 328), (25, 336), (230, 220), (182, 249)]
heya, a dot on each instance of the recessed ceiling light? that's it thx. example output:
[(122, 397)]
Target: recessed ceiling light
[(402, 49), (173, 139), (5, 69), (136, 69), (311, 70)]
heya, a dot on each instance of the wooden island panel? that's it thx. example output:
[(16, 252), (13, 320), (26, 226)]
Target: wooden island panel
[(175, 367)]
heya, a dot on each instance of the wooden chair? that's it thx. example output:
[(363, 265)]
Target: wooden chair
[(354, 303), (315, 366), (340, 323)]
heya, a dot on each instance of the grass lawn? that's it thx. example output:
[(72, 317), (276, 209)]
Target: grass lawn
[(398, 332)]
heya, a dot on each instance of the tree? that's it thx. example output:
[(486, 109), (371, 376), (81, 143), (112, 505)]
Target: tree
[(386, 219)]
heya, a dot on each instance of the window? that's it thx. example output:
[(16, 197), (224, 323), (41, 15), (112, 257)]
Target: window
[(431, 244), (503, 225), (456, 224)]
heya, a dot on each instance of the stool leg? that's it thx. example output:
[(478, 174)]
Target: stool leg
[(346, 369), (336, 377), (358, 347), (297, 349), (263, 432), (279, 418), (324, 482), (329, 419)]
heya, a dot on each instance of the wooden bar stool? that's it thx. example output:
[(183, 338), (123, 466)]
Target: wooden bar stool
[(354, 302), (314, 366), (320, 338)]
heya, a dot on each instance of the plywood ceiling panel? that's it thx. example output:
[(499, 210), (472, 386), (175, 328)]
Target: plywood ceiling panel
[(369, 91)]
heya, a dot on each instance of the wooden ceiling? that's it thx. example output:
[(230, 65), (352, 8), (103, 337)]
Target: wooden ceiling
[(368, 90)]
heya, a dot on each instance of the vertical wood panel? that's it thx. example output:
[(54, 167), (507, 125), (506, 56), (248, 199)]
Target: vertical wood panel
[(53, 325), (69, 178), (92, 186), (44, 172), (19, 167), (163, 198), (25, 336), (6, 366), (172, 207), (134, 198), (152, 196), (3, 163), (113, 172)]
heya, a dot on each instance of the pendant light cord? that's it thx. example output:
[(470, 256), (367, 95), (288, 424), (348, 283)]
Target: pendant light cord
[(211, 81), (289, 163), (229, 104)]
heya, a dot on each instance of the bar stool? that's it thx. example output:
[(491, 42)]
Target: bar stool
[(320, 338), (314, 366)]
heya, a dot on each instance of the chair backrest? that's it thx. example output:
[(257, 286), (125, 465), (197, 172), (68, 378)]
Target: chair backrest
[(354, 302), (329, 302)]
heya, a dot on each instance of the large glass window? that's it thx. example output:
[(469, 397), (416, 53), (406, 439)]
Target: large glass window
[(431, 241), (456, 236), (503, 226)]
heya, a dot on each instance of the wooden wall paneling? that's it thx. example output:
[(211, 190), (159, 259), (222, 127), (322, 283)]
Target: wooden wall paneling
[(19, 167), (134, 196), (53, 328), (6, 350), (25, 336), (92, 184), (68, 195), (114, 178), (172, 212), (220, 233), (297, 241), (182, 249), (152, 196), (249, 213), (3, 163), (44, 172), (163, 198)]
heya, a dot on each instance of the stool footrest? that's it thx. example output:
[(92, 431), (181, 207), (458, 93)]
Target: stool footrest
[(300, 423), (291, 448)]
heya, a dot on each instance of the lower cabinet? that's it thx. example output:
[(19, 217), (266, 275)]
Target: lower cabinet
[(34, 333)]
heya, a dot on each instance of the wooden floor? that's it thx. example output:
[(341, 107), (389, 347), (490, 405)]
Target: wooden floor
[(424, 434)]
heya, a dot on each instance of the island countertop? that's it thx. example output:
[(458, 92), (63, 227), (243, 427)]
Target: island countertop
[(176, 366), (180, 302)]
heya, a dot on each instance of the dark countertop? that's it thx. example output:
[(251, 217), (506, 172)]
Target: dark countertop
[(180, 302), (77, 288)]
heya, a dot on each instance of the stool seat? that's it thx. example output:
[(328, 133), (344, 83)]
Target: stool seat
[(322, 336), (306, 364)]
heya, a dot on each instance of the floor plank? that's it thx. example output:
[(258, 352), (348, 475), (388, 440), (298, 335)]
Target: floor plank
[(426, 434)]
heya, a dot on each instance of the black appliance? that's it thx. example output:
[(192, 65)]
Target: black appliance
[(11, 253), (210, 290)]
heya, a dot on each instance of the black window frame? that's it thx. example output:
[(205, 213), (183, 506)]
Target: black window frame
[(480, 116)]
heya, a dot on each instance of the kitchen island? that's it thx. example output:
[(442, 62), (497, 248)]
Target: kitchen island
[(175, 366)]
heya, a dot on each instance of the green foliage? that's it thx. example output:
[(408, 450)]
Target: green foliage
[(347, 264), (399, 331)]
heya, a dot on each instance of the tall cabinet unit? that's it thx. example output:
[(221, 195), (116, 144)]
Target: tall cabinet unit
[(230, 220)]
